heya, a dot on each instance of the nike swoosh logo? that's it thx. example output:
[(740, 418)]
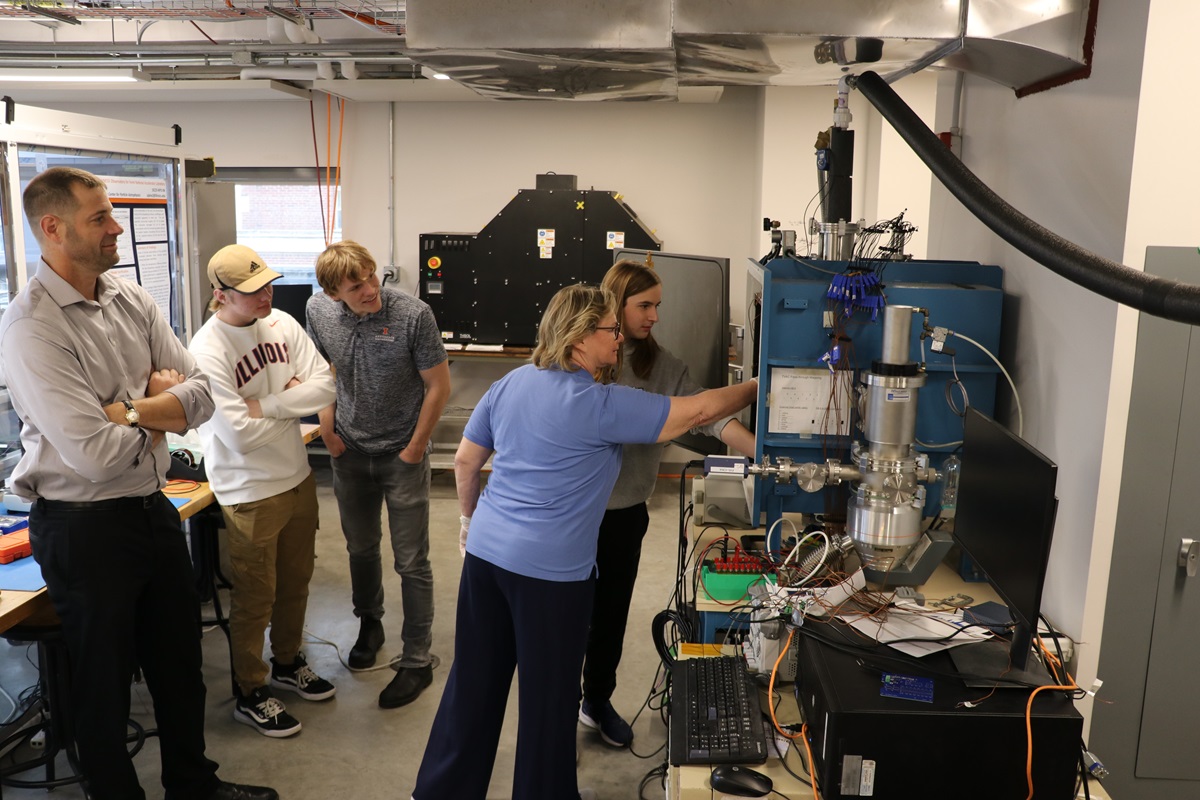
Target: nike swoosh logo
[(273, 324)]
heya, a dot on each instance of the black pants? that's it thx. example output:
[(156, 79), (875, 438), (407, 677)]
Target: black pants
[(506, 621), (122, 584), (617, 555)]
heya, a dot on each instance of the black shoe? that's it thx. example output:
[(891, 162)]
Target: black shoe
[(300, 678), (237, 791), (604, 718), (406, 686), (265, 714), (370, 639)]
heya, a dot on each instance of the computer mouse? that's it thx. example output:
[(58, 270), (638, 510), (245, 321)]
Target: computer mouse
[(739, 781)]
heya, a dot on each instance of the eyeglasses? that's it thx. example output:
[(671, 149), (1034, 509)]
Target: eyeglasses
[(615, 328)]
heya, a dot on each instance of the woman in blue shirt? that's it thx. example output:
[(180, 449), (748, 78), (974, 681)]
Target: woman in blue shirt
[(554, 433)]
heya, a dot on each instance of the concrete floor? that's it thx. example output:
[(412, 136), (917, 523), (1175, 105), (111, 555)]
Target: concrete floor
[(352, 748)]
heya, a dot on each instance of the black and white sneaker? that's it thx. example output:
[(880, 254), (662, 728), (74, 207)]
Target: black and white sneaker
[(299, 678), (265, 714)]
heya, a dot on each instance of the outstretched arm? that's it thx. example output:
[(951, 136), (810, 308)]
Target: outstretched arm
[(697, 409)]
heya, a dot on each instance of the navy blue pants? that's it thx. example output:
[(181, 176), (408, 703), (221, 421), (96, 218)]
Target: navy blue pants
[(508, 621), (617, 556), (122, 583)]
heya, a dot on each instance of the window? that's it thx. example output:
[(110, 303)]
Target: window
[(282, 215)]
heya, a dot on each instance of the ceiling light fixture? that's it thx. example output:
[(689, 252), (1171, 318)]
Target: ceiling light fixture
[(68, 75), (55, 15)]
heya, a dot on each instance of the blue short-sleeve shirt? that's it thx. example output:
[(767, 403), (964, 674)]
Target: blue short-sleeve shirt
[(557, 438)]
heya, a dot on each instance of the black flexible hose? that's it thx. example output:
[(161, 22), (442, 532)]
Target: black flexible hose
[(1158, 296)]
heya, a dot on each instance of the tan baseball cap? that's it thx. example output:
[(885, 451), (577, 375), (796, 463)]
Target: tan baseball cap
[(239, 268)]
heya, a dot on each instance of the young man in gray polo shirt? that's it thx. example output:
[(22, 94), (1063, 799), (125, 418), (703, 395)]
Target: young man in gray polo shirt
[(393, 380)]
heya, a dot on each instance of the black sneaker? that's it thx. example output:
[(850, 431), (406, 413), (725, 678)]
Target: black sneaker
[(265, 714), (613, 730), (299, 678), (370, 639)]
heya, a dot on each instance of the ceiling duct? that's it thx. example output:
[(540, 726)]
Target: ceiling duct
[(515, 49), (579, 50), (631, 50)]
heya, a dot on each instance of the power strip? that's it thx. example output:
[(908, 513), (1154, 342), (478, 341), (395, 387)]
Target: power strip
[(1064, 641)]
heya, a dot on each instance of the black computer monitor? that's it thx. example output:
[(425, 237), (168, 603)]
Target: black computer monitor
[(292, 298), (1005, 519)]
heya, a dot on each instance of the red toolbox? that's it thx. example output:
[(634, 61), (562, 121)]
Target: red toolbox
[(14, 545)]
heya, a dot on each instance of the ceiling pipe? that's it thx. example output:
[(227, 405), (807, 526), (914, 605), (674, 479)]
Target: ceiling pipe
[(195, 61), (1157, 296), (26, 50), (285, 73)]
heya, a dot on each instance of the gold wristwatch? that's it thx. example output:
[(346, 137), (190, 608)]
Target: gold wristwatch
[(131, 414)]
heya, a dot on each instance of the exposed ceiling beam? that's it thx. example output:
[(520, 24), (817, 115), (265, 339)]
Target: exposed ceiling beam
[(50, 14)]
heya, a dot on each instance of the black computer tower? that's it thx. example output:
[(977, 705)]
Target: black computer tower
[(901, 748)]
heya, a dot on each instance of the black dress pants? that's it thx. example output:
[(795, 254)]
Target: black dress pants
[(618, 553), (121, 581)]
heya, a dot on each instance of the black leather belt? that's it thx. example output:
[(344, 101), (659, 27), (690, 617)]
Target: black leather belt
[(115, 504)]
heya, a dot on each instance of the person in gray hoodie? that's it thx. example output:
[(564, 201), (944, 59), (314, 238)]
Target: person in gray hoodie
[(644, 364)]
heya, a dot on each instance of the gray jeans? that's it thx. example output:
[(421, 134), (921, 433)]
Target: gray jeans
[(362, 484)]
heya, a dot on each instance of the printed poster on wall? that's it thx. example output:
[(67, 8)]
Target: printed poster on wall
[(144, 251)]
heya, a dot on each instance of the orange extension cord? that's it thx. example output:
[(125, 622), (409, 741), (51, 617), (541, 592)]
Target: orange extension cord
[(333, 168)]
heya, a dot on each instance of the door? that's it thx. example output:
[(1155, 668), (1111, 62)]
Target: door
[(1144, 720)]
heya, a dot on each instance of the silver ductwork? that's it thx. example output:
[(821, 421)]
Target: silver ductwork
[(579, 50), (634, 49)]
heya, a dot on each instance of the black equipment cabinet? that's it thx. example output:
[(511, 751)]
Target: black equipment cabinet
[(895, 747), (491, 287)]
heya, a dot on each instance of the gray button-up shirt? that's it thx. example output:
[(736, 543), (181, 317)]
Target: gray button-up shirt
[(64, 358)]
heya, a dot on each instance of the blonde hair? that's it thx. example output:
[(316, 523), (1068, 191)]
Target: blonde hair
[(342, 260), (624, 279), (572, 314)]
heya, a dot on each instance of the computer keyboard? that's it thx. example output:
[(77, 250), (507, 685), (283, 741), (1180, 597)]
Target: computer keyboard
[(715, 714)]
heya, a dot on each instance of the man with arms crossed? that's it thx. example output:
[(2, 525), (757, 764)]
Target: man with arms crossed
[(265, 376), (393, 380), (97, 377)]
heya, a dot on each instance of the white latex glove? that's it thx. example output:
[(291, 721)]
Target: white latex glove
[(465, 523)]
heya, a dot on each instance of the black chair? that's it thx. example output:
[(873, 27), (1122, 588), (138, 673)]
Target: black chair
[(204, 530), (56, 724)]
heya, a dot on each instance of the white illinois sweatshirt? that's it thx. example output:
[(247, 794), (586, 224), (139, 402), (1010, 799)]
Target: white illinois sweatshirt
[(253, 459)]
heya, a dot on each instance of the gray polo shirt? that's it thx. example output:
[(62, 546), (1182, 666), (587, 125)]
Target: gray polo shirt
[(64, 358), (379, 359)]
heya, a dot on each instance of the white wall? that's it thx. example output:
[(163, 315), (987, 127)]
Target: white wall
[(690, 171), (1062, 157)]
